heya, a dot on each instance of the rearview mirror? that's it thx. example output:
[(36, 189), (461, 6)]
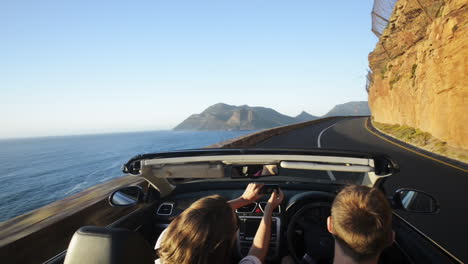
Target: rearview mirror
[(415, 201), (126, 196), (253, 170)]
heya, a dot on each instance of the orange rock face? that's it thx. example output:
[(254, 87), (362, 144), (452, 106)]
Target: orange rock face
[(419, 69)]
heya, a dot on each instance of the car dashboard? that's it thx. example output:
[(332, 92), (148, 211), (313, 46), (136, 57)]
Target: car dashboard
[(297, 195), (250, 217)]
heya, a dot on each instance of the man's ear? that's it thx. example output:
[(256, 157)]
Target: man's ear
[(330, 225)]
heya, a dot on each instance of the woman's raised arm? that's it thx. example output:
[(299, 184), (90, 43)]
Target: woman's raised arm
[(261, 241)]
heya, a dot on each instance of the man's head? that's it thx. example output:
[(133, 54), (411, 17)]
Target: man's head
[(361, 222)]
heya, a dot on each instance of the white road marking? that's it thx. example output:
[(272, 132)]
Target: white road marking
[(330, 174), (320, 135)]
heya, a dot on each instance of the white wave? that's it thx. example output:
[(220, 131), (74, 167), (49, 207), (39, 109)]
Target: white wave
[(76, 187)]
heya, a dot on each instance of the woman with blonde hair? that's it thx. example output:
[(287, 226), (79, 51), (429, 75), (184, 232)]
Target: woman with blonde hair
[(205, 232)]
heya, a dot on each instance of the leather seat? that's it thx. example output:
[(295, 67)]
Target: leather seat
[(91, 244)]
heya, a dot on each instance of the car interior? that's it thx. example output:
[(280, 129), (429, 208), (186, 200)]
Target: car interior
[(298, 224)]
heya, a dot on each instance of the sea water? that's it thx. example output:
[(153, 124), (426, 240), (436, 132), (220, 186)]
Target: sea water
[(37, 171)]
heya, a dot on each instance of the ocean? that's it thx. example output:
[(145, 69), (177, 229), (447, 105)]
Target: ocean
[(38, 171)]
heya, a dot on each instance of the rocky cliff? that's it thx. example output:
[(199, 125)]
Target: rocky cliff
[(419, 69)]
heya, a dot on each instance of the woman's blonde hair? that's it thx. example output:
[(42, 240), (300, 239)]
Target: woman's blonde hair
[(204, 233)]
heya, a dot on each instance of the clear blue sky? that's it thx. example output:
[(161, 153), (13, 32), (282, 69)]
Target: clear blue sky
[(72, 67)]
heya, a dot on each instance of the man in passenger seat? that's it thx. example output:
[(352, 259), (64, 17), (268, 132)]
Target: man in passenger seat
[(361, 223), (206, 231)]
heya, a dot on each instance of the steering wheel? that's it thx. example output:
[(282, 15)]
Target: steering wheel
[(307, 234)]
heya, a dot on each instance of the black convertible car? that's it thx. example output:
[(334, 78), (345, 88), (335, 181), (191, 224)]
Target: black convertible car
[(310, 179)]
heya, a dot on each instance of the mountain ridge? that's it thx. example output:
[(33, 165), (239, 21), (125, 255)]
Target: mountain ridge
[(223, 116)]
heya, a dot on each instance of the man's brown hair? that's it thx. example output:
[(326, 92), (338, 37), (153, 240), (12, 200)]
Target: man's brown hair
[(362, 222), (204, 233)]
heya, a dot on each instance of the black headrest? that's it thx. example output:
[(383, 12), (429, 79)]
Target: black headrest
[(91, 244)]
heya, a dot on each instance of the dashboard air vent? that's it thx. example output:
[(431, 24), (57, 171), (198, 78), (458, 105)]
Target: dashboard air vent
[(276, 211), (247, 209), (165, 209)]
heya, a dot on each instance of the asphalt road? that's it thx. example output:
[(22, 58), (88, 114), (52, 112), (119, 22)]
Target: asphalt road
[(449, 185)]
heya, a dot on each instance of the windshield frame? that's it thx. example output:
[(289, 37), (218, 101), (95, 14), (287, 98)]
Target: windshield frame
[(160, 169)]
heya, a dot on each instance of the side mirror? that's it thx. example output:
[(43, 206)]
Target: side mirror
[(415, 201), (126, 196)]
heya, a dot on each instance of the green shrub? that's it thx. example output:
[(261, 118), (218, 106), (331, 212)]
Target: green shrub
[(394, 80), (413, 71), (383, 71), (441, 150), (406, 133), (421, 137)]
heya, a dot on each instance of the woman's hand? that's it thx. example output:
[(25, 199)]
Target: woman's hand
[(276, 199), (252, 192), (250, 195)]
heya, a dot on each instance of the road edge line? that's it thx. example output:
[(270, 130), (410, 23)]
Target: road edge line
[(320, 134), (444, 250), (330, 173), (411, 150)]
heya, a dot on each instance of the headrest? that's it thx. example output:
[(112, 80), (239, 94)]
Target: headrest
[(91, 244)]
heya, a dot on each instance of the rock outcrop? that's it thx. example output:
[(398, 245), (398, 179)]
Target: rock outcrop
[(419, 74)]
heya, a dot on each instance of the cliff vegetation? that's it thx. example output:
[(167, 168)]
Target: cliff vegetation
[(423, 140)]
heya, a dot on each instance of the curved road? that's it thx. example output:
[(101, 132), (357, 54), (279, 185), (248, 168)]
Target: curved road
[(449, 185)]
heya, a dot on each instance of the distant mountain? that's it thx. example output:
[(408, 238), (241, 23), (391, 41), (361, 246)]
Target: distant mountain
[(229, 117), (304, 116), (358, 108)]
